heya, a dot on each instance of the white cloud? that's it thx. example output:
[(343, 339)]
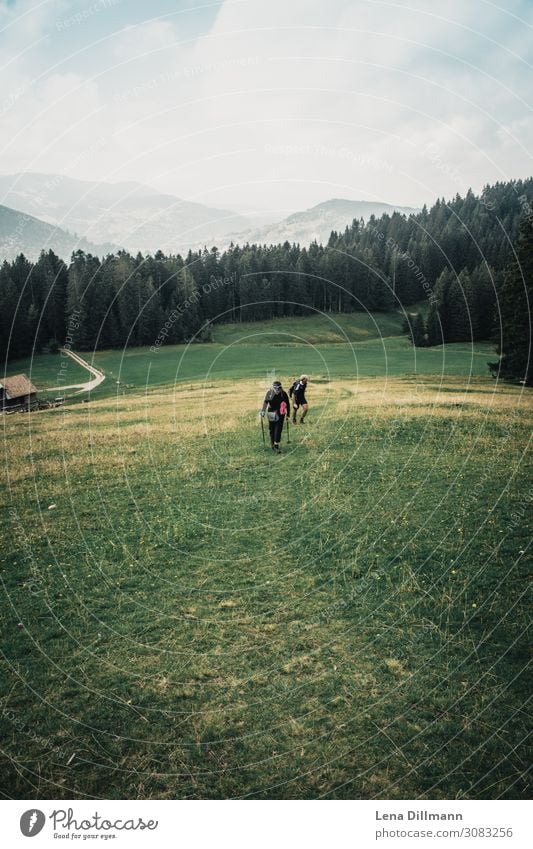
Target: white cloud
[(133, 42), (342, 82)]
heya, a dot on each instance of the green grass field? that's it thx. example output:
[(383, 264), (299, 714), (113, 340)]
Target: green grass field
[(357, 345), (202, 619), (374, 358), (317, 329), (49, 370)]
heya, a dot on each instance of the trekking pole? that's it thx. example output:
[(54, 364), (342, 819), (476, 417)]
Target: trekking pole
[(263, 432), (288, 437)]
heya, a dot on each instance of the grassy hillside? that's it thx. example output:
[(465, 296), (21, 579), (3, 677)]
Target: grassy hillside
[(356, 345), (203, 619), (318, 329), (49, 370), (394, 356), (139, 368)]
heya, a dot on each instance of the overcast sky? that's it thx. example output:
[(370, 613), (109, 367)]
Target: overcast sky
[(270, 104)]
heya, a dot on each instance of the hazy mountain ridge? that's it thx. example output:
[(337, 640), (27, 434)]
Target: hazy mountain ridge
[(317, 222), (132, 215), (136, 217), (23, 233)]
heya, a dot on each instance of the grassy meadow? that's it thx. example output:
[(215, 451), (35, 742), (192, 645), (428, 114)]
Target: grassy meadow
[(202, 619), (350, 346)]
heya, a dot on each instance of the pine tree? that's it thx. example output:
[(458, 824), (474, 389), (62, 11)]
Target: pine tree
[(418, 332), (22, 313), (8, 310), (55, 276), (460, 309), (514, 303), (150, 318), (484, 281), (438, 321)]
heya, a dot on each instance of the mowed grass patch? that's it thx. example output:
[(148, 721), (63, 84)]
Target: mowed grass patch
[(203, 619), (140, 368), (49, 371), (328, 347), (316, 329)]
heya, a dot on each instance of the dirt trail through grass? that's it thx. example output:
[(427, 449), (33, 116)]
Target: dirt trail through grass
[(98, 376)]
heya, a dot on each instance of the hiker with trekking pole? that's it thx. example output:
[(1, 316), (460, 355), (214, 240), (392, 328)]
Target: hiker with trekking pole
[(299, 401), (276, 406)]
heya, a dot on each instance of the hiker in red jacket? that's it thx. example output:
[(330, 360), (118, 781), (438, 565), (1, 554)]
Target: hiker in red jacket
[(278, 405)]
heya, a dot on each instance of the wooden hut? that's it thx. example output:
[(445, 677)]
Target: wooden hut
[(17, 392)]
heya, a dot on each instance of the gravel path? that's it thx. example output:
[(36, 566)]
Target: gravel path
[(97, 376)]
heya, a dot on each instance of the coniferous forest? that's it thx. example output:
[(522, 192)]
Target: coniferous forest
[(463, 263)]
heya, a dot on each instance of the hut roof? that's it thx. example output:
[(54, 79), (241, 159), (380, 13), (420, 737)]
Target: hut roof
[(17, 386)]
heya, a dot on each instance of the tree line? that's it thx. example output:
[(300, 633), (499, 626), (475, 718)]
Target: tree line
[(448, 260)]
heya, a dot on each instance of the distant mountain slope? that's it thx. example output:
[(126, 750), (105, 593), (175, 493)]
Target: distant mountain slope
[(21, 233), (130, 214), (318, 222), (138, 218)]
